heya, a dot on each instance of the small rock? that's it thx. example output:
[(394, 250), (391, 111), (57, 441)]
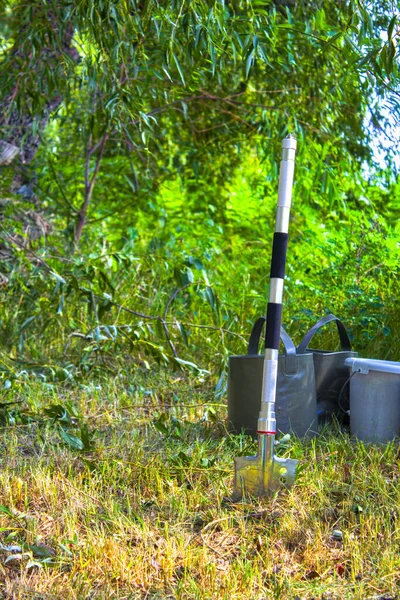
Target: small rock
[(337, 535)]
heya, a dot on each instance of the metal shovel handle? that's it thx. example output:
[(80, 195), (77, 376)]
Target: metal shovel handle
[(267, 421), (264, 473)]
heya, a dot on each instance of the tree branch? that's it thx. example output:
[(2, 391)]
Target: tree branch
[(89, 183)]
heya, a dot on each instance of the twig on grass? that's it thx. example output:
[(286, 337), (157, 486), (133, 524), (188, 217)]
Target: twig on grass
[(217, 552), (68, 484)]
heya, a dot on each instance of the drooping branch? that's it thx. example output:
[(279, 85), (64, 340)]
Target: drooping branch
[(89, 182)]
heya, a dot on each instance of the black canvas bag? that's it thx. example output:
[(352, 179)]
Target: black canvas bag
[(331, 373), (295, 407)]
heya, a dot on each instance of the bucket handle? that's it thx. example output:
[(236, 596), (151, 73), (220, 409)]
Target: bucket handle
[(344, 338), (255, 336)]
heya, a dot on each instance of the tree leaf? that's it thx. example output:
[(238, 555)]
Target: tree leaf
[(42, 551), (72, 440), (183, 333), (249, 63), (7, 511), (178, 66), (58, 412)]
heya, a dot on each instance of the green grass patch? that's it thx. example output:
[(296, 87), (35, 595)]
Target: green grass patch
[(145, 510)]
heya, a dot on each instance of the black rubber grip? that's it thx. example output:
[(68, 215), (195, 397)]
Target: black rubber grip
[(273, 327), (278, 260)]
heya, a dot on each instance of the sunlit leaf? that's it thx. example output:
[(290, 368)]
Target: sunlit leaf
[(72, 440)]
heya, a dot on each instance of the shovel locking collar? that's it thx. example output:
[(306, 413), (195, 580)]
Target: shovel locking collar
[(264, 473)]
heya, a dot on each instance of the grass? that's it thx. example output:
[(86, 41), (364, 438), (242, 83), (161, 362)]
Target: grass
[(147, 512)]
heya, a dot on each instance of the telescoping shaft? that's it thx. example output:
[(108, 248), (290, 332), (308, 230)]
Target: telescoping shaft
[(267, 422), (264, 473)]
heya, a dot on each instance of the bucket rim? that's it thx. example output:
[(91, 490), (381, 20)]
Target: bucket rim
[(365, 365)]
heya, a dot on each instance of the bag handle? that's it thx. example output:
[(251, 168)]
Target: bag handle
[(255, 336), (344, 338)]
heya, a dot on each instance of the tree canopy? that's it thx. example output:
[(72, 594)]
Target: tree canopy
[(134, 70)]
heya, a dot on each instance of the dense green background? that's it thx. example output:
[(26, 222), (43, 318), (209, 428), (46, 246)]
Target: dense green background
[(175, 113)]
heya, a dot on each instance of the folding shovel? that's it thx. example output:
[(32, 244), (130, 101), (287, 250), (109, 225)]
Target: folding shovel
[(264, 473)]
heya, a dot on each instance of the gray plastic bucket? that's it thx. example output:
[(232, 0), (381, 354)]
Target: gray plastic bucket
[(374, 399)]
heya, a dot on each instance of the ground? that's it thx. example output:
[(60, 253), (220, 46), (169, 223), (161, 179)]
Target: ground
[(146, 511)]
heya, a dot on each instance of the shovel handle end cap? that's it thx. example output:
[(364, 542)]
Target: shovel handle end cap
[(289, 143)]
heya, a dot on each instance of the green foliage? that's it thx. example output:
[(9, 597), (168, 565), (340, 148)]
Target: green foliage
[(159, 127), (175, 85), (183, 288)]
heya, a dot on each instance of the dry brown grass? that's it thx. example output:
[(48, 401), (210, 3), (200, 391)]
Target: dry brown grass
[(147, 515)]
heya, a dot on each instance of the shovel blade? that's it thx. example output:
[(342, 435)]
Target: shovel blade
[(256, 476)]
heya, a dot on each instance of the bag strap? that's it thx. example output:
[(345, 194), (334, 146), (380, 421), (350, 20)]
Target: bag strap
[(344, 338), (255, 336)]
